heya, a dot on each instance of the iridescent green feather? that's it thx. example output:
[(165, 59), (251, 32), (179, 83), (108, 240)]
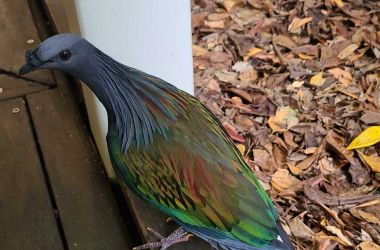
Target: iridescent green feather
[(196, 175)]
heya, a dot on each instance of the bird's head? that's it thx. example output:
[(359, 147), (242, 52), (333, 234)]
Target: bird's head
[(64, 52)]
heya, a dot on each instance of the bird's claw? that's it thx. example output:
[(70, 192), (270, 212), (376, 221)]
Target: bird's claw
[(179, 235)]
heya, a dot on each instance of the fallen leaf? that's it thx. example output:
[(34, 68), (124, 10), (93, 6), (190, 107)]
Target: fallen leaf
[(371, 117), (263, 159), (298, 23), (233, 133), (320, 236), (241, 148), (252, 52), (198, 50), (284, 41), (368, 137), (282, 180), (214, 24), (307, 162), (217, 16), (305, 57), (297, 84), (226, 76), (248, 75), (349, 50), (338, 3), (334, 214), (368, 245), (285, 118), (368, 216), (342, 76), (372, 161), (213, 85), (243, 16), (337, 232), (230, 4), (317, 80), (243, 94), (299, 229), (241, 66)]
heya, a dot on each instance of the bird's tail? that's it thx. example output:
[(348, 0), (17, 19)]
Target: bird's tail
[(283, 242)]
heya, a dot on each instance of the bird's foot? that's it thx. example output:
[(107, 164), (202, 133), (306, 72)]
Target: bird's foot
[(179, 235)]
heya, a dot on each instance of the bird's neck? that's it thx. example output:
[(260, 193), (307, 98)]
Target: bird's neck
[(139, 106)]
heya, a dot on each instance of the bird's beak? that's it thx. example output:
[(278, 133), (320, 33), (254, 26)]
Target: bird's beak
[(26, 68), (32, 62)]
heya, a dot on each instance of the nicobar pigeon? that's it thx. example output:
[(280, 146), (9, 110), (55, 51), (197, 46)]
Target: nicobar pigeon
[(170, 150)]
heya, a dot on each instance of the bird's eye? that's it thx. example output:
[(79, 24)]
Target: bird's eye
[(64, 55)]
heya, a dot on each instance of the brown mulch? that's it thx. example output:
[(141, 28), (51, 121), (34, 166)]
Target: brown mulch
[(294, 82)]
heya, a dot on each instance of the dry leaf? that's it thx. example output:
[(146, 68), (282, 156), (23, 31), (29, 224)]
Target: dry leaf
[(324, 65), (198, 50), (368, 245), (241, 66), (324, 243), (368, 216), (333, 213), (248, 75), (217, 16), (226, 76), (297, 84), (282, 180), (371, 117), (284, 41), (299, 229), (337, 232), (372, 162), (230, 4), (285, 118), (318, 79), (263, 159), (367, 138), (320, 236), (241, 148), (348, 51), (305, 57), (252, 52), (338, 3), (213, 85), (342, 76), (233, 133), (214, 24), (298, 23)]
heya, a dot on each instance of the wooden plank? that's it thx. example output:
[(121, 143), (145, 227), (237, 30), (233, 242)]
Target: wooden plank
[(11, 87), (16, 28), (88, 210), (26, 215), (58, 15)]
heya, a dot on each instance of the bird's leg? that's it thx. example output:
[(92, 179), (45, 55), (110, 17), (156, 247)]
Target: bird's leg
[(179, 235)]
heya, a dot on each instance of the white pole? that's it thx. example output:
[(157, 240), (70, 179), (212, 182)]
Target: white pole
[(151, 35)]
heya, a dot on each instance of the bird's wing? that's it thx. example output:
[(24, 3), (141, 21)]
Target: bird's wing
[(198, 176)]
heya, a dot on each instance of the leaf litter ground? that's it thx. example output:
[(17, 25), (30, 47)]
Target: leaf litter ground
[(294, 83)]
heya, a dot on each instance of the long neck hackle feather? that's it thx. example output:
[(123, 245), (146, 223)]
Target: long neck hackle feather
[(139, 105)]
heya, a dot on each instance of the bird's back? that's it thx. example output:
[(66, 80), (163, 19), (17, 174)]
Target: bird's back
[(195, 174)]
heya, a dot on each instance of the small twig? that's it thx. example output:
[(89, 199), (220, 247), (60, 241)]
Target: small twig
[(347, 93)]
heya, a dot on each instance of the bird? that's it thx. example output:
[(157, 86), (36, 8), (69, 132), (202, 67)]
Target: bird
[(170, 150)]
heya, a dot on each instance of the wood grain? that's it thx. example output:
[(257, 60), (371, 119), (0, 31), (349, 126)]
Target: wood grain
[(16, 28), (87, 206), (26, 215)]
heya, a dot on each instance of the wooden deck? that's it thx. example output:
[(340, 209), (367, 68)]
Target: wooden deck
[(54, 193)]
